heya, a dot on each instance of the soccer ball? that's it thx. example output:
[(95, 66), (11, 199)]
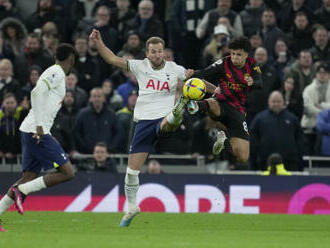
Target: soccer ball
[(194, 89)]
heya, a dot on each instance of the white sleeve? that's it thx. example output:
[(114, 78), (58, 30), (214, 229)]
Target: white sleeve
[(134, 65), (181, 72), (38, 99)]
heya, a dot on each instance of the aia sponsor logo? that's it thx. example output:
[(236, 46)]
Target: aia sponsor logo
[(160, 86)]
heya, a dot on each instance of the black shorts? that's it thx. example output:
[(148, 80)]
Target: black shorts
[(234, 120)]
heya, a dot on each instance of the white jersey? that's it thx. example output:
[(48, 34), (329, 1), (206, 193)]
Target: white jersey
[(157, 88), (46, 100)]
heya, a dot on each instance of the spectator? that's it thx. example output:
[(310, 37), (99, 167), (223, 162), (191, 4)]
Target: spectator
[(316, 98), (321, 49), (288, 12), (33, 54), (293, 100), (233, 33), (269, 30), (34, 74), (301, 35), (276, 130), (113, 99), (210, 19), (62, 128), (258, 97), (97, 123), (153, 167), (119, 17), (101, 160), (11, 117), (185, 17), (217, 47), (323, 126), (110, 4), (85, 65), (303, 70), (80, 95), (125, 88), (255, 42), (6, 52), (251, 16), (7, 9), (282, 57), (7, 82), (46, 12), (108, 33), (275, 166), (169, 54), (323, 14), (125, 120), (145, 22), (82, 11), (104, 70), (13, 34), (133, 45), (50, 37)]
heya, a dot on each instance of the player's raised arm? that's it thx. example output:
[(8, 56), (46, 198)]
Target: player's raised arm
[(210, 88), (105, 52)]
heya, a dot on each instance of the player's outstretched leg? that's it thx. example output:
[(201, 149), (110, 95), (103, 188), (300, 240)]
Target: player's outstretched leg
[(132, 187), (219, 144), (128, 217), (192, 107), (176, 116), (18, 199)]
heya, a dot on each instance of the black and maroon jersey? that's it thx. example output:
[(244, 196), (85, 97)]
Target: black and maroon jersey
[(230, 79)]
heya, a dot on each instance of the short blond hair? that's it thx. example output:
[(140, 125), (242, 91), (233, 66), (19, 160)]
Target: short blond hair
[(9, 63), (154, 40)]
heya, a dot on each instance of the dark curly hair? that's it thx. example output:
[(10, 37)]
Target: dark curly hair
[(240, 43)]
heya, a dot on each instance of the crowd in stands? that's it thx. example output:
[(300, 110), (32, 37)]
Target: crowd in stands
[(290, 115)]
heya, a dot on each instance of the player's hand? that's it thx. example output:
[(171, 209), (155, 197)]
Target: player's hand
[(189, 73), (217, 91), (39, 134), (249, 80), (95, 35)]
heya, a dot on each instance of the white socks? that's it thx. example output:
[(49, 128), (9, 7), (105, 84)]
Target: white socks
[(131, 187), (32, 186), (5, 203)]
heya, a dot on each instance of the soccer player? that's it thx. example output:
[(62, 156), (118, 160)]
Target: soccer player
[(154, 113), (235, 75), (39, 149)]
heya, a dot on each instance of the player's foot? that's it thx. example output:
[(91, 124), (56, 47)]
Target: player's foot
[(192, 107), (1, 229), (18, 198), (219, 143), (179, 106), (128, 217)]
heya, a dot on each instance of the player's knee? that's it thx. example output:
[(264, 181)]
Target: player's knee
[(241, 155), (68, 173)]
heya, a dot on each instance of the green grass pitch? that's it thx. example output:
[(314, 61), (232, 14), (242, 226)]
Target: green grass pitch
[(80, 230)]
